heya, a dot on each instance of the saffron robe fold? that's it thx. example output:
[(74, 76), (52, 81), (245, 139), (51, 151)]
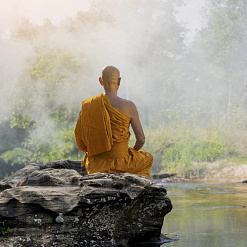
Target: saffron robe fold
[(102, 132)]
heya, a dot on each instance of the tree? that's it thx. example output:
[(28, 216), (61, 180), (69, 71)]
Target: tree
[(224, 39)]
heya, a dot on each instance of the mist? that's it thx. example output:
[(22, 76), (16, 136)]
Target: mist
[(175, 71), (105, 34)]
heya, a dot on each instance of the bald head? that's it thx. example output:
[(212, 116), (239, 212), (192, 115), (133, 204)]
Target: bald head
[(110, 75)]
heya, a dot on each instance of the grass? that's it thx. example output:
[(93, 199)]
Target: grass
[(180, 147), (186, 150)]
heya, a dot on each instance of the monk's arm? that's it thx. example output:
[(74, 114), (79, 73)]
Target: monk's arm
[(78, 135), (137, 128)]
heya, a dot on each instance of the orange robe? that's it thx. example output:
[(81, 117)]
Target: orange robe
[(102, 132)]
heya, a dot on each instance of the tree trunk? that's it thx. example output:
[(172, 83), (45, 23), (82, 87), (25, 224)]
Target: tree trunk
[(229, 97)]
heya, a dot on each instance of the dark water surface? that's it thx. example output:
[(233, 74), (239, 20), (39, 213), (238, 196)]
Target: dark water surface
[(207, 215)]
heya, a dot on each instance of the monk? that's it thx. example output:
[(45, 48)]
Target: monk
[(102, 131)]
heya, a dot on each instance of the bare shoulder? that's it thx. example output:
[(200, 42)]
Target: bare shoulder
[(127, 102), (128, 107)]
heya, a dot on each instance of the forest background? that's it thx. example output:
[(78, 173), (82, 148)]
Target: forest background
[(190, 88)]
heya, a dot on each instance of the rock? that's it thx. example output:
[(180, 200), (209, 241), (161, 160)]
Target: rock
[(56, 205), (162, 175), (60, 218)]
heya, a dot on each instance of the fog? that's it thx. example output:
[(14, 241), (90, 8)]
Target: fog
[(116, 32), (181, 61)]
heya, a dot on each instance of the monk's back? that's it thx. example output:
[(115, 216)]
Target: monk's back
[(121, 104), (106, 133)]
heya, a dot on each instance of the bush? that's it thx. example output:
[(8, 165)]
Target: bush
[(206, 150), (180, 156)]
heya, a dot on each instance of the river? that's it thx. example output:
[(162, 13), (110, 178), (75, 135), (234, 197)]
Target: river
[(206, 215)]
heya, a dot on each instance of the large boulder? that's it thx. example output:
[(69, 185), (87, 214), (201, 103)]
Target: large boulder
[(58, 205)]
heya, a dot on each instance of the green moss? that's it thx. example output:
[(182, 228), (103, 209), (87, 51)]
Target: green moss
[(4, 230)]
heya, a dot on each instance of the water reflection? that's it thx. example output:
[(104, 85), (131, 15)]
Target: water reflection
[(207, 215)]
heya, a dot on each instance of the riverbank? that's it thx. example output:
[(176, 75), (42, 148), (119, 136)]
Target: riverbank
[(221, 173), (213, 172)]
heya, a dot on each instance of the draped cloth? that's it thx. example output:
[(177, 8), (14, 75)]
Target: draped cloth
[(102, 132)]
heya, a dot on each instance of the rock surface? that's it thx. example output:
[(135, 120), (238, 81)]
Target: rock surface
[(162, 175), (58, 205)]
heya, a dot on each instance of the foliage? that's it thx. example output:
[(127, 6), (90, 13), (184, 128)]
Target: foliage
[(20, 121), (50, 67), (17, 156), (191, 96), (60, 145), (224, 44), (25, 31), (181, 157), (183, 149), (4, 230)]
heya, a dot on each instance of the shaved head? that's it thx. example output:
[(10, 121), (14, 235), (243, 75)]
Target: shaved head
[(110, 75)]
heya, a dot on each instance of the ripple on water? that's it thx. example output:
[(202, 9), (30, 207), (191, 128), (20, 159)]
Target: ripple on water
[(207, 214)]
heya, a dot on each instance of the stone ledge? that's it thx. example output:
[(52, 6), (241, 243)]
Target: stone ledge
[(55, 205)]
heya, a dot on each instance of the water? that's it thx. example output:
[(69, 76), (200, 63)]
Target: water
[(207, 215)]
